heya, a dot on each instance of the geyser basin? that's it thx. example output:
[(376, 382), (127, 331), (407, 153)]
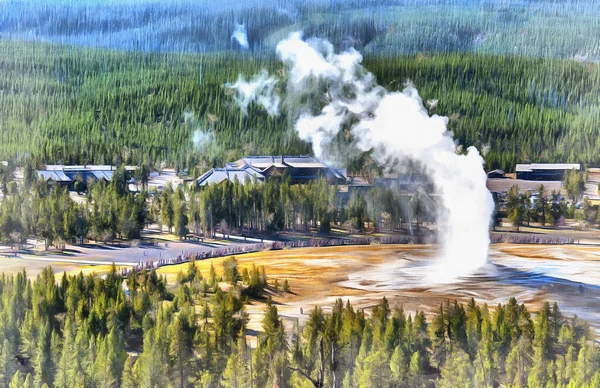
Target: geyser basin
[(330, 94), (533, 274)]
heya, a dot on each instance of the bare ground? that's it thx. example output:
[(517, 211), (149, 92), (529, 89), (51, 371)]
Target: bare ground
[(533, 274), (568, 274)]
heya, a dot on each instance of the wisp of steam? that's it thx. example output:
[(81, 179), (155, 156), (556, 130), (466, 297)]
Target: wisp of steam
[(259, 89), (240, 35), (200, 138), (394, 126)]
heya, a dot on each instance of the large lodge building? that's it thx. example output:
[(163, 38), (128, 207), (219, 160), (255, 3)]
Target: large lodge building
[(300, 169)]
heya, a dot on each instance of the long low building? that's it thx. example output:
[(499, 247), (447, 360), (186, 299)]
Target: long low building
[(68, 175), (300, 169), (544, 171)]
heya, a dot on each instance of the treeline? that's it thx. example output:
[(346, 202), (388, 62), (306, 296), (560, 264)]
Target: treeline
[(551, 209), (277, 205), (521, 208), (85, 331), (83, 106), (33, 209), (529, 28), (108, 211)]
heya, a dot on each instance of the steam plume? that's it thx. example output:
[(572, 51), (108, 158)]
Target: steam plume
[(240, 35), (260, 89), (395, 126), (200, 138)]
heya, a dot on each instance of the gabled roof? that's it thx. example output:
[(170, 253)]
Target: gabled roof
[(263, 163), (57, 176), (60, 167), (258, 162), (100, 174), (304, 162), (340, 173), (60, 173), (547, 166), (218, 175)]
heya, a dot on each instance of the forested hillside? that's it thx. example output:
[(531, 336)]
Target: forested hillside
[(78, 105), (550, 28)]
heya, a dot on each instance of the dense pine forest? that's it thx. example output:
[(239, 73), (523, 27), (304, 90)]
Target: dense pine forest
[(548, 28), (81, 106), (139, 331)]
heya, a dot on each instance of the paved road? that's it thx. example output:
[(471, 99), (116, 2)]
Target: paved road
[(102, 254)]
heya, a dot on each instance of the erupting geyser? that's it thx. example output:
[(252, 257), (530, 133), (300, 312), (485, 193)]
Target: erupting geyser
[(396, 127)]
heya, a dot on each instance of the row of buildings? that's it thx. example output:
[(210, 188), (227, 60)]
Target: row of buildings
[(254, 169), (538, 171), (299, 169), (67, 175)]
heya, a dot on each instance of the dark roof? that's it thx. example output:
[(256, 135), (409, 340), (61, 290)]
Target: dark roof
[(60, 173), (263, 163), (218, 175), (547, 166), (57, 176)]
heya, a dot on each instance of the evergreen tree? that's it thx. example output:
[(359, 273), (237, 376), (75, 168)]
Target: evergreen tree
[(399, 366), (457, 371), (44, 363), (17, 380), (7, 362), (182, 332)]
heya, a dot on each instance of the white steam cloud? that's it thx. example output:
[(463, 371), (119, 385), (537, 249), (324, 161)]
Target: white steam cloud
[(395, 126), (201, 139), (260, 89), (240, 35)]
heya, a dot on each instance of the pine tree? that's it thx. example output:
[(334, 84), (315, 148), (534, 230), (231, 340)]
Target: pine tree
[(399, 366), (518, 362), (7, 362), (152, 370), (65, 363), (182, 332), (77, 372), (587, 362), (17, 380), (473, 329), (457, 371), (438, 331), (130, 374), (363, 352), (91, 362), (110, 358), (236, 373), (28, 383), (485, 359), (376, 370), (230, 270), (416, 364), (543, 335), (44, 365)]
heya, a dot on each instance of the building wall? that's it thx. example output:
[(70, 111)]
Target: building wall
[(541, 175)]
